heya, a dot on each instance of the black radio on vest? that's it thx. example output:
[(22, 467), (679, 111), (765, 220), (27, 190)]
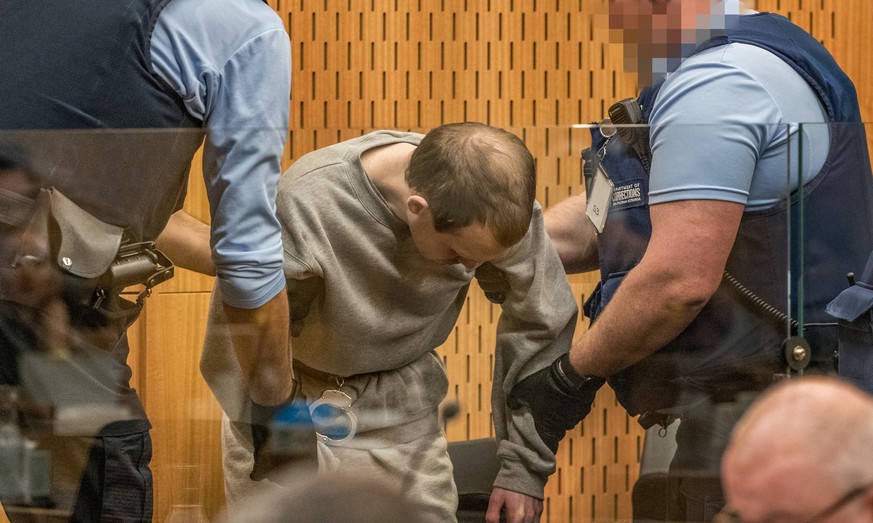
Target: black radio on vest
[(627, 117)]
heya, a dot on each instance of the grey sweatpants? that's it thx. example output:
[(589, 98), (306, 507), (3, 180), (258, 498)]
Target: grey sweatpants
[(398, 441)]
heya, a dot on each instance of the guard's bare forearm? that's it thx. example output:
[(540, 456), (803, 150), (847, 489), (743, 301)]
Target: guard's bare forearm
[(185, 240), (262, 349), (679, 273), (572, 234), (646, 313)]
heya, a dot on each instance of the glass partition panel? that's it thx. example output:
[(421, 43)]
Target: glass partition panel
[(99, 344), (833, 243), (701, 272)]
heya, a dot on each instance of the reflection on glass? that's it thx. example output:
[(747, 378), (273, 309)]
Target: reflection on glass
[(186, 505)]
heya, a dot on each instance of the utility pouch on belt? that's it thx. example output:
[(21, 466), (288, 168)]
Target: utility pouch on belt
[(95, 258)]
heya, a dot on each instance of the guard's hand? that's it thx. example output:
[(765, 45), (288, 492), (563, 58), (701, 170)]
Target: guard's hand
[(493, 283), (282, 435), (515, 506), (558, 398)]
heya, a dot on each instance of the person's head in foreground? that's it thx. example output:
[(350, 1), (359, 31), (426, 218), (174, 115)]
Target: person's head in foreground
[(331, 498), (802, 453), (26, 276)]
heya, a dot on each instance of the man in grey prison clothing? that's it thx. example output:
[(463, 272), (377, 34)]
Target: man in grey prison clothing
[(385, 231)]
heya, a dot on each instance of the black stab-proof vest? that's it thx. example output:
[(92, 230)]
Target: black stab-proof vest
[(732, 346), (72, 65)]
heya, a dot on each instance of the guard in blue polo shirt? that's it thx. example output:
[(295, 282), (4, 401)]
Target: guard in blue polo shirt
[(171, 75), (695, 224)]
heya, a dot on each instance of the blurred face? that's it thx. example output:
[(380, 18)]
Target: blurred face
[(660, 16), (657, 33), (26, 275), (17, 195), (469, 246)]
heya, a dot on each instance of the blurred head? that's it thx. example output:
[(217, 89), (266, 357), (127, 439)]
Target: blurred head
[(19, 187), (26, 275), (339, 497), (658, 34), (803, 452), (473, 189)]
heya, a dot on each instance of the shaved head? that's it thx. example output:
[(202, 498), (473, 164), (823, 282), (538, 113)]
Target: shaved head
[(804, 441)]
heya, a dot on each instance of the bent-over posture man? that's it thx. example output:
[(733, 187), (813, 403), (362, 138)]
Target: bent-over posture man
[(382, 236), (708, 204)]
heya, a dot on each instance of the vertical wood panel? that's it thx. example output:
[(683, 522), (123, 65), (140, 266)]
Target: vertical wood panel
[(185, 415)]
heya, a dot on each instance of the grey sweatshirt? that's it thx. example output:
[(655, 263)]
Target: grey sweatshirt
[(382, 306)]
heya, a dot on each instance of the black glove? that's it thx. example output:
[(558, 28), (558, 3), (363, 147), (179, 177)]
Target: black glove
[(493, 283), (282, 435), (558, 398)]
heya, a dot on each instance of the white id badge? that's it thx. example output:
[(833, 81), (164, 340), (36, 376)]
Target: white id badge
[(599, 199)]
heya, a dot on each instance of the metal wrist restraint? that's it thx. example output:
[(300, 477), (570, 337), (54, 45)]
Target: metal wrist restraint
[(335, 423)]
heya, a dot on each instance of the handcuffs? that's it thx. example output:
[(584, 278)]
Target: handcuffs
[(335, 423)]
